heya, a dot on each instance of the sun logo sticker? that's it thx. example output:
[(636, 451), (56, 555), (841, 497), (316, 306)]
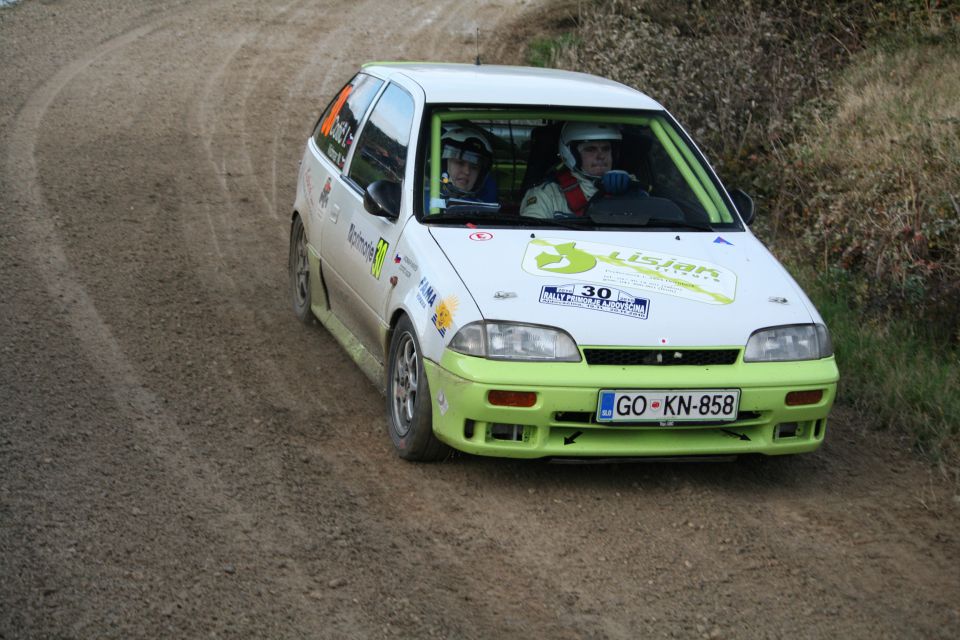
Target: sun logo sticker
[(443, 316)]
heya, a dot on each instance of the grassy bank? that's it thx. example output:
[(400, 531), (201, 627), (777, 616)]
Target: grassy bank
[(843, 120), (898, 374)]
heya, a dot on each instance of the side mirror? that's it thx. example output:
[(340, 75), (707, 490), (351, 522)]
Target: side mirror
[(382, 199), (744, 204)]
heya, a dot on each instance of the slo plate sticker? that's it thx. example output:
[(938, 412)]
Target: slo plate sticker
[(597, 298), (628, 267)]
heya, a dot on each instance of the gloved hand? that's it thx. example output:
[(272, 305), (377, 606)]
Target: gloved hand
[(615, 182)]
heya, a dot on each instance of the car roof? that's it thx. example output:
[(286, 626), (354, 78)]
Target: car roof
[(451, 83)]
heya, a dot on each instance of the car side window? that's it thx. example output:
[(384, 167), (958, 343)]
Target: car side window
[(382, 149), (334, 131)]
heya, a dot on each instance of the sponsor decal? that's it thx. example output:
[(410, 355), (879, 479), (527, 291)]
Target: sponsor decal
[(720, 240), (325, 194), (597, 298), (443, 316), (628, 267), (426, 296), (361, 245), (481, 236), (379, 257), (405, 264), (338, 129), (308, 183), (442, 403), (327, 125)]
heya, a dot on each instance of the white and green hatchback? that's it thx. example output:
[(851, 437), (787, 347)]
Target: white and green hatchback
[(542, 264)]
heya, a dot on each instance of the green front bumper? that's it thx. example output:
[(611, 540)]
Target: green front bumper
[(562, 424)]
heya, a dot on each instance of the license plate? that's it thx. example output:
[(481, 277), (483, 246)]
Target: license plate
[(667, 405)]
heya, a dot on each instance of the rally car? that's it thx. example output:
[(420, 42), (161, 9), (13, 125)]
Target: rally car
[(533, 263)]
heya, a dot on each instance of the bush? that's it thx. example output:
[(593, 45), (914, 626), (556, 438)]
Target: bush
[(856, 173), (843, 120), (872, 188)]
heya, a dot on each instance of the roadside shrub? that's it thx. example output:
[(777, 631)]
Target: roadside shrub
[(843, 120), (732, 72), (871, 188), (858, 177), (893, 371)]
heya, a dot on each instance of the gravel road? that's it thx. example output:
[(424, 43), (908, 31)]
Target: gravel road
[(180, 458)]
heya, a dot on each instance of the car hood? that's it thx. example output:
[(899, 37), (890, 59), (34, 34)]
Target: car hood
[(627, 289)]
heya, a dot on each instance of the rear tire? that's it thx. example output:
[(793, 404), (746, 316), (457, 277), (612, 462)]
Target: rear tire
[(409, 407), (298, 266)]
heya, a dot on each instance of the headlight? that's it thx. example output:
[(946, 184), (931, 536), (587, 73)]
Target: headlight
[(515, 341), (790, 342)]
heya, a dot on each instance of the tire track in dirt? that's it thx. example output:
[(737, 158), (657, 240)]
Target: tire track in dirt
[(142, 407), (451, 559), (531, 563), (208, 491)]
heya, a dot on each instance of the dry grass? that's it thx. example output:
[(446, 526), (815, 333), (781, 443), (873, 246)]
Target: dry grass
[(884, 165), (842, 120)]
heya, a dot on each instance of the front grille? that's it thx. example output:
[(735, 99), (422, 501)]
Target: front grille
[(661, 357)]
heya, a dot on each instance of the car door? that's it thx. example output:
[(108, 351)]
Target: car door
[(355, 243)]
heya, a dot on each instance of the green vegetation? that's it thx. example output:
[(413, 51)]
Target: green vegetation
[(894, 370), (543, 52), (843, 120)]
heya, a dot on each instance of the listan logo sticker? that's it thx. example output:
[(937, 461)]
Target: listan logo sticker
[(588, 296), (627, 267), (481, 236), (379, 257), (443, 317)]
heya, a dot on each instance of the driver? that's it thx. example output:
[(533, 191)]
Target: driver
[(588, 151)]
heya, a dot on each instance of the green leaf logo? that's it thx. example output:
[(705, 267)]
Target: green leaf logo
[(577, 261)]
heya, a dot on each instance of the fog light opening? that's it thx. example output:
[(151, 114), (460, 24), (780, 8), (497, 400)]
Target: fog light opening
[(798, 398), (818, 428), (787, 430), (503, 398), (508, 432)]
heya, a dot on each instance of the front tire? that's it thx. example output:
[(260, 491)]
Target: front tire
[(298, 266), (409, 408)]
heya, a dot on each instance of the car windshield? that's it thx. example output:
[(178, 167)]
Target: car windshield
[(587, 170)]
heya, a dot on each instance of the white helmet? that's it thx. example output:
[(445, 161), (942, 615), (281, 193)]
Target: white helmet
[(574, 133), (470, 145)]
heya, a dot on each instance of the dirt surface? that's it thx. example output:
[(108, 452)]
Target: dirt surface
[(180, 458)]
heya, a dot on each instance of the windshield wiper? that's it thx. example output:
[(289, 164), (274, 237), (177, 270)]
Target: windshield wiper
[(485, 217), (471, 215), (672, 222)]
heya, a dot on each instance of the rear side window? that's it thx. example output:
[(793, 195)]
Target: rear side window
[(382, 150), (338, 124)]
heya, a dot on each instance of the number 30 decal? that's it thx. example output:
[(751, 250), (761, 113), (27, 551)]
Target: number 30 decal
[(594, 292)]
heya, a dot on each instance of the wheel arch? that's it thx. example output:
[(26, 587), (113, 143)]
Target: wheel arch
[(321, 291)]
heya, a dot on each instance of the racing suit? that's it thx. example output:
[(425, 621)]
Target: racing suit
[(542, 200)]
